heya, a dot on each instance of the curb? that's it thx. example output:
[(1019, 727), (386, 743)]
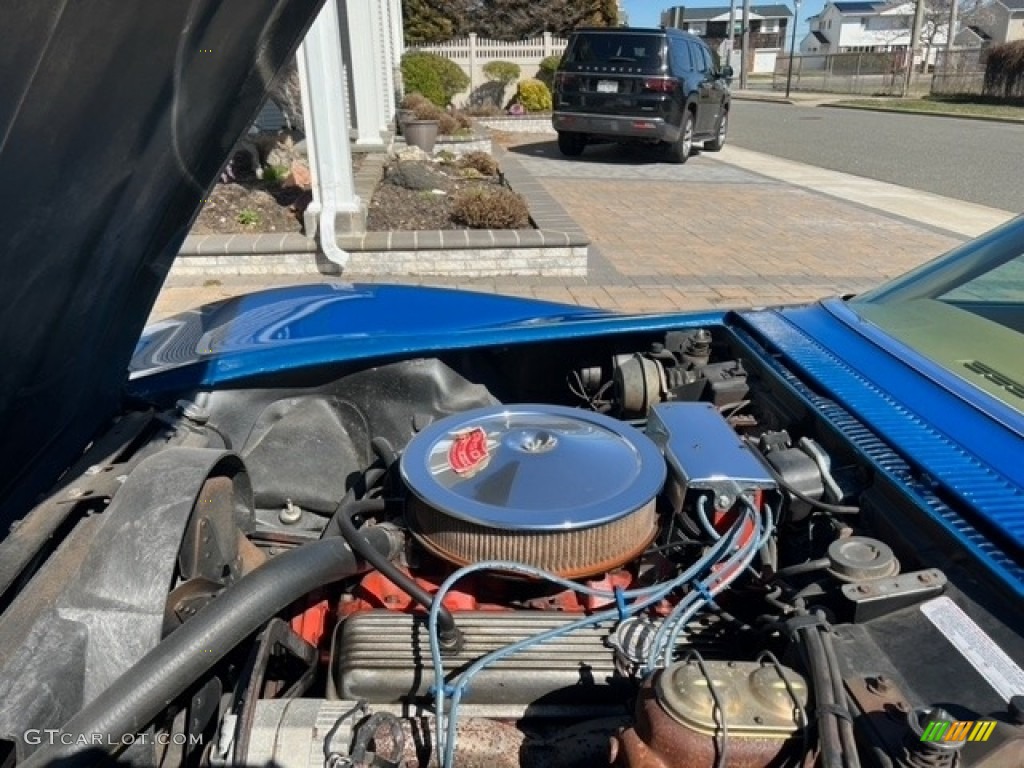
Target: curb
[(765, 99), (894, 111)]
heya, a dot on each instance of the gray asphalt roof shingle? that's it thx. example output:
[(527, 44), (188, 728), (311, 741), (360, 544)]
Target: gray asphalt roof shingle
[(857, 7)]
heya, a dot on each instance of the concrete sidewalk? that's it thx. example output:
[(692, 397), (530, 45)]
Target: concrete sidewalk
[(735, 229)]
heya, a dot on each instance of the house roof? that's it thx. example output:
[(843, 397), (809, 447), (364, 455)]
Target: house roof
[(765, 11), (1013, 5), (858, 7), (981, 33), (821, 38)]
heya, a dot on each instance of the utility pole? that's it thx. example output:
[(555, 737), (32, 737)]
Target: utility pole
[(792, 45), (915, 42), (731, 45), (745, 51), (954, 8)]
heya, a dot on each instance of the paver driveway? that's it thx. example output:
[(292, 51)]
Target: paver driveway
[(707, 233)]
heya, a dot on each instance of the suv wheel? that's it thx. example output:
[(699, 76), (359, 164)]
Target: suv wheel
[(723, 130), (680, 150), (571, 144)]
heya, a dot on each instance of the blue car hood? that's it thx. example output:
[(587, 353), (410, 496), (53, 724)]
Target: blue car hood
[(304, 325), (115, 120)]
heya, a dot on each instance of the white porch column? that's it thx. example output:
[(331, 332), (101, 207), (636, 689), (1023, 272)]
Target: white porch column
[(362, 32), (385, 73), (397, 42), (390, 61), (325, 104)]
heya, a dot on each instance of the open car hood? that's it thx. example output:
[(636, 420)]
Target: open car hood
[(115, 119)]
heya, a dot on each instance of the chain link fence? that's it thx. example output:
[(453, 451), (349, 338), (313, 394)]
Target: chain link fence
[(861, 74), (960, 73)]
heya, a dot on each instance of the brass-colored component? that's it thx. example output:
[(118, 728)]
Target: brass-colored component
[(676, 716), (753, 695)]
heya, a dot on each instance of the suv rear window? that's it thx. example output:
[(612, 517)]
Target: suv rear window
[(616, 48)]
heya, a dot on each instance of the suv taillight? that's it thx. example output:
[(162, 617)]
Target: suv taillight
[(659, 84), (565, 80)]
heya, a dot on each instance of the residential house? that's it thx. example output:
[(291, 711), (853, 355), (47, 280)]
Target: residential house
[(1002, 21), (972, 36), (769, 30), (870, 27)]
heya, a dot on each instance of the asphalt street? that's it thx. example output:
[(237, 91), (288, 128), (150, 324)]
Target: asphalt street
[(977, 161)]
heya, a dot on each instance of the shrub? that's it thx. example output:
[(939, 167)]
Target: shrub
[(503, 72), (436, 77), (479, 161), (275, 174), (248, 218), (490, 208), (449, 122), (414, 100), (546, 72), (1004, 71), (427, 110), (535, 96), (449, 125)]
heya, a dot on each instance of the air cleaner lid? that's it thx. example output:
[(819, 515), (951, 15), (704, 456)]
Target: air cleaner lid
[(533, 467)]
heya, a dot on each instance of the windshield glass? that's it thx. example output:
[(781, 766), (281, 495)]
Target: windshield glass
[(965, 312), (612, 48)]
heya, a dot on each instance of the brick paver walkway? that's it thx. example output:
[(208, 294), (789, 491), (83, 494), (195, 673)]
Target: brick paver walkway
[(665, 237)]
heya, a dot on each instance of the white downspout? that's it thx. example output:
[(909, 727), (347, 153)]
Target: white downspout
[(324, 98)]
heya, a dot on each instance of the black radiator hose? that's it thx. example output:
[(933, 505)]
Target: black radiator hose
[(341, 524), (448, 634), (139, 695)]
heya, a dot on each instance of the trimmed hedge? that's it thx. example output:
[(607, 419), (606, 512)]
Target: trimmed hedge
[(546, 71), (503, 72), (436, 77)]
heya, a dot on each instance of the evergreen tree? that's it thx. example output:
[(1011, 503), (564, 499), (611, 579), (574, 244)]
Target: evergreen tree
[(516, 19), (432, 21)]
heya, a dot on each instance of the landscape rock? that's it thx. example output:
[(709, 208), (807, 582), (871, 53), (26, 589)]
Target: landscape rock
[(299, 176), (414, 175), (412, 154)]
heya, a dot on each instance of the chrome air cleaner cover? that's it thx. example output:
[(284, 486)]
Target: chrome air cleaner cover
[(560, 488)]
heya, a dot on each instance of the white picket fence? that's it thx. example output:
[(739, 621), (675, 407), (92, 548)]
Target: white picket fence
[(473, 52)]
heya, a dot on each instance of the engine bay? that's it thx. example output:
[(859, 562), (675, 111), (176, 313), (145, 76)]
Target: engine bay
[(639, 552)]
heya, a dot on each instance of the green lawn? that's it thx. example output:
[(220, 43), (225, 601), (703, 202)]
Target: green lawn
[(940, 106)]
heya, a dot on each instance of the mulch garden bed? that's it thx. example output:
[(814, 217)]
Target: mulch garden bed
[(248, 205), (396, 207), (415, 193), (252, 206)]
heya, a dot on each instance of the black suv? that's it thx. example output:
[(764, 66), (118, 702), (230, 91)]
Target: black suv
[(658, 86)]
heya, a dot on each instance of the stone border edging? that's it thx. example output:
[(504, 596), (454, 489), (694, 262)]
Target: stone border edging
[(513, 124)]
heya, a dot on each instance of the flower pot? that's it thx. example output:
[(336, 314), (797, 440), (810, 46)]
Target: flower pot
[(404, 116), (421, 133)]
